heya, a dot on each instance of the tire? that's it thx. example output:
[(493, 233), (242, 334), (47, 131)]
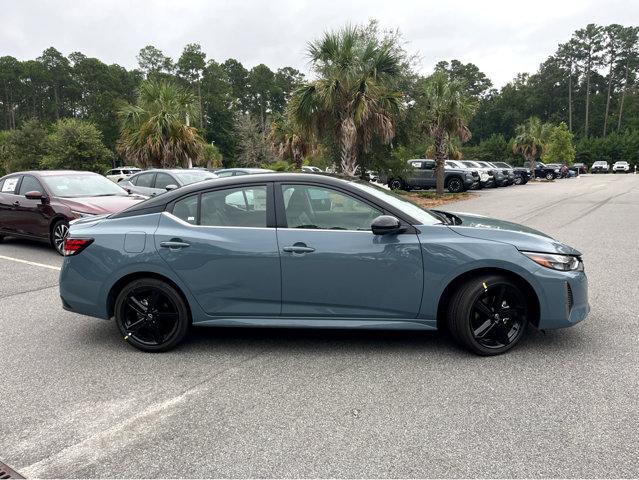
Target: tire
[(487, 329), (59, 231), (151, 315), (395, 184), (550, 176), (455, 185), (519, 180)]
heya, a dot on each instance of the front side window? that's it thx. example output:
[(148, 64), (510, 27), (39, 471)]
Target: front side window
[(309, 206), (144, 180), (235, 207), (163, 180), (30, 184)]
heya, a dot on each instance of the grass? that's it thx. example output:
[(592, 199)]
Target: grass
[(432, 200)]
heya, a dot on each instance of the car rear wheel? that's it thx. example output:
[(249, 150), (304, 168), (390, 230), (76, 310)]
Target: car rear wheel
[(550, 176), (518, 180), (488, 315), (58, 233), (151, 315), (455, 185)]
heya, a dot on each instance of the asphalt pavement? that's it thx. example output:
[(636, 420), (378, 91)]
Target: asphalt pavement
[(77, 401)]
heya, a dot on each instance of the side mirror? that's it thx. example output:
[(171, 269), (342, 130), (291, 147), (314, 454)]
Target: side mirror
[(35, 195), (171, 187), (386, 225)]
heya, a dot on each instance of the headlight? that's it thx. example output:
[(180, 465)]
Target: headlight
[(556, 262), (82, 214)]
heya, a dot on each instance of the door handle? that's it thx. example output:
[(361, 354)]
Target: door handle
[(174, 244), (298, 249)]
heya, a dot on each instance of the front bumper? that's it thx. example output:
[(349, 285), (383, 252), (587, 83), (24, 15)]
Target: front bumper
[(563, 298)]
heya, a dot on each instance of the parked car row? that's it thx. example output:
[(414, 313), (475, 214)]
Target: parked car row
[(459, 175)]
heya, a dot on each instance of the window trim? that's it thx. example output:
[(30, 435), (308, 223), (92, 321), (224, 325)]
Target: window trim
[(280, 209), (270, 208), (41, 189)]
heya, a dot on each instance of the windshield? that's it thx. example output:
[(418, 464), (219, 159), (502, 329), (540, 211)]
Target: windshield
[(502, 165), (470, 164), (423, 216), (86, 185), (193, 176)]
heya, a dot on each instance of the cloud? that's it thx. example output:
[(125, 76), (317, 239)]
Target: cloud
[(501, 37)]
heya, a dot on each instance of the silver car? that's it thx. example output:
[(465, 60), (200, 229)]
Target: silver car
[(157, 181)]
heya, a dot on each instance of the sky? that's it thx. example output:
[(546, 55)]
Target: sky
[(502, 38)]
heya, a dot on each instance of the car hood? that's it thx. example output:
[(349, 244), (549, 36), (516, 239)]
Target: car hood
[(521, 237), (101, 205)]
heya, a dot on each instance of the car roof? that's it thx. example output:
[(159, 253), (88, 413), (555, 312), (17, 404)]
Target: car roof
[(173, 170), (248, 170), (48, 173)]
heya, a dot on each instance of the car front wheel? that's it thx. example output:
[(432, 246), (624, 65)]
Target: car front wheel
[(488, 315), (151, 315), (455, 185), (550, 176), (58, 233), (395, 184)]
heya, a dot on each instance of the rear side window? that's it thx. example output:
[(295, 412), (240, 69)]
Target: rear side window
[(30, 184), (10, 184), (186, 209)]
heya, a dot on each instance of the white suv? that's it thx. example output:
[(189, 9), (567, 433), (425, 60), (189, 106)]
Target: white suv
[(621, 167), (122, 173), (600, 166)]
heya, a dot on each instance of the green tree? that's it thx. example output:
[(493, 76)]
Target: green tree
[(24, 147), (589, 44), (447, 109), (560, 148), (153, 62), (530, 140), (289, 141), (475, 81), (354, 97), (155, 132), (190, 67), (76, 145), (210, 156)]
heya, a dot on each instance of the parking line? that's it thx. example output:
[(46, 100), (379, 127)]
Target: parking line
[(35, 264)]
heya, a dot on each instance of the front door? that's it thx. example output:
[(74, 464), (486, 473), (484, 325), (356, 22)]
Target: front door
[(334, 266), (32, 216), (222, 247)]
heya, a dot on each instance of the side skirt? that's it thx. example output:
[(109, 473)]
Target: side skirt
[(346, 323)]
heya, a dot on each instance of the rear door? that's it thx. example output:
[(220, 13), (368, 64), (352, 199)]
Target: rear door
[(222, 243), (333, 266)]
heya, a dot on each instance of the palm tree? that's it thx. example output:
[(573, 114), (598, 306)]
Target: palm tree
[(156, 131), (354, 98), (289, 142), (530, 140), (447, 109)]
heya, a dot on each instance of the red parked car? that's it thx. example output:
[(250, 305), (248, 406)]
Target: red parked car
[(40, 204)]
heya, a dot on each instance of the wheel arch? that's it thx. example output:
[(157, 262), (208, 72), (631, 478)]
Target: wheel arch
[(529, 292), (126, 279)]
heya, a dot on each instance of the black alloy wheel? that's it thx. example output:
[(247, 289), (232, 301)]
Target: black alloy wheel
[(58, 233), (151, 315), (488, 315), (455, 185), (395, 184)]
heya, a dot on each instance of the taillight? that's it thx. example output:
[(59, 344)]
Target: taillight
[(73, 246)]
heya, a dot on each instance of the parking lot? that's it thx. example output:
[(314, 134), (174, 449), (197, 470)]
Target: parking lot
[(77, 401)]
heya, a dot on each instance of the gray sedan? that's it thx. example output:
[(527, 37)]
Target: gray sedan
[(157, 181)]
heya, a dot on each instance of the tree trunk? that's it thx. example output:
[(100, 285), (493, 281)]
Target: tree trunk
[(570, 99), (348, 134), (587, 101), (441, 149), (199, 96), (531, 164), (605, 126), (623, 95)]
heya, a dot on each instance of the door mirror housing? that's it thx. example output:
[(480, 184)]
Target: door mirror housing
[(35, 195), (386, 225), (171, 187)]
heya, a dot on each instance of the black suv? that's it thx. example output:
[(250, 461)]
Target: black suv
[(544, 171), (522, 174), (421, 174)]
